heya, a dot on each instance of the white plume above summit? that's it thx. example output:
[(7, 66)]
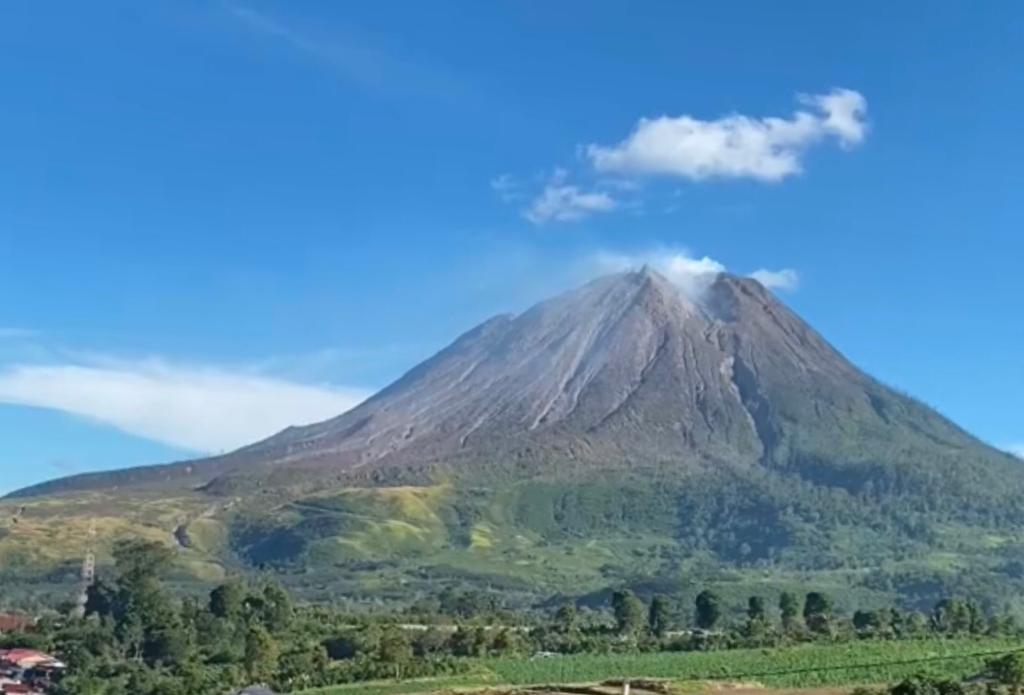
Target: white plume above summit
[(693, 275)]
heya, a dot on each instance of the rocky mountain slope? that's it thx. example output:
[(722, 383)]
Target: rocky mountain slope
[(623, 371)]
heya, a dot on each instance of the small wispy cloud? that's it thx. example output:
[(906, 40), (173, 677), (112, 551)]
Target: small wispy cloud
[(351, 54), (203, 409), (735, 146), (566, 202), (785, 280), (507, 188)]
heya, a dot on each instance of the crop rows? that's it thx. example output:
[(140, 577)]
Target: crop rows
[(799, 666), (805, 665)]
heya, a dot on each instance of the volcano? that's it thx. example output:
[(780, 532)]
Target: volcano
[(627, 370), (712, 426)]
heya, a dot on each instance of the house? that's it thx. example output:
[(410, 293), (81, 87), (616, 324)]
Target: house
[(256, 690), (28, 659), (15, 688), (15, 622)]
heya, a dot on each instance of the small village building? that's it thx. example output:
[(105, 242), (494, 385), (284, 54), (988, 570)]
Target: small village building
[(27, 671), (28, 658), (17, 688), (15, 622)]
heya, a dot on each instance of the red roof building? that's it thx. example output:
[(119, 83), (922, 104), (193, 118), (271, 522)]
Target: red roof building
[(15, 622), (25, 658), (16, 688)]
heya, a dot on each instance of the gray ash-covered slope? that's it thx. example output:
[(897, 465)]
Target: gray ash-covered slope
[(626, 371)]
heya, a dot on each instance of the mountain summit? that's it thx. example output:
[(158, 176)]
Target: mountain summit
[(625, 368)]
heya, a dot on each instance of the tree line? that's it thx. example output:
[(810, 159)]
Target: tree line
[(137, 638), (810, 617)]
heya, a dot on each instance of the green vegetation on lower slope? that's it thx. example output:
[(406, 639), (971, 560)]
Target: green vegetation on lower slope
[(568, 533), (580, 534)]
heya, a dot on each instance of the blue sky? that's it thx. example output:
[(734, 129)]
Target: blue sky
[(218, 218)]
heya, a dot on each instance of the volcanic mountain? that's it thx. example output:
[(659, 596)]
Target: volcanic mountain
[(717, 421), (627, 370)]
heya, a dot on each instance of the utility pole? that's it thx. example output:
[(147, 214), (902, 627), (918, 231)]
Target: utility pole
[(88, 571)]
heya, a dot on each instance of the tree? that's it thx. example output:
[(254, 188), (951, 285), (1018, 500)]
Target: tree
[(629, 612), (818, 612), (168, 646), (300, 670), (880, 623), (261, 653), (509, 642), (756, 609), (757, 618), (886, 622), (100, 598), (139, 560), (226, 600), (469, 642), (658, 616), (951, 616), (146, 622), (394, 649), (977, 622), (864, 621), (708, 609), (276, 607), (567, 619), (430, 642), (789, 609), (466, 604), (1009, 670), (913, 624)]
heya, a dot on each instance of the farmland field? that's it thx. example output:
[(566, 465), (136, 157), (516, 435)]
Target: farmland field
[(801, 666)]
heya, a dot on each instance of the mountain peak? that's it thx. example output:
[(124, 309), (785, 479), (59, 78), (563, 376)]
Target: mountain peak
[(646, 284), (629, 367), (653, 280)]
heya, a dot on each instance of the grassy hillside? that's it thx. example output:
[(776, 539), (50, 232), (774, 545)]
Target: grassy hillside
[(43, 541), (531, 539)]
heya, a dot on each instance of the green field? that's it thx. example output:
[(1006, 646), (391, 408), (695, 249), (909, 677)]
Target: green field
[(792, 667)]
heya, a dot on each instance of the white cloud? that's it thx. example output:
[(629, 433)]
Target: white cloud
[(844, 111), (1017, 450), (691, 274), (735, 146), (785, 280), (565, 202), (202, 409), (507, 188)]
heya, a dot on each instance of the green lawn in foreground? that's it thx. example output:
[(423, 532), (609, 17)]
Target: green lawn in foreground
[(800, 666)]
